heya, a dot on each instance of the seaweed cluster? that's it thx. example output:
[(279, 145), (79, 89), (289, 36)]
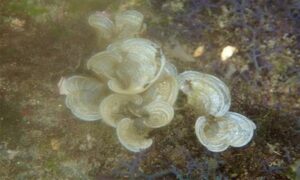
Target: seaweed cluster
[(135, 88), (40, 139)]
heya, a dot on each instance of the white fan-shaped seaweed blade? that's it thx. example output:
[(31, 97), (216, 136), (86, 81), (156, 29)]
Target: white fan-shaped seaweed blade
[(104, 63), (243, 132), (83, 96), (140, 68), (211, 135), (129, 23), (102, 24), (160, 114), (116, 107), (131, 136), (165, 88), (135, 45), (135, 73), (232, 129), (170, 69), (78, 83), (84, 104), (205, 92)]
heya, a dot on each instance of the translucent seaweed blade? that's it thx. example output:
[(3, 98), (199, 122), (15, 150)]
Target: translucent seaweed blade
[(78, 83), (136, 73), (102, 24), (84, 96), (243, 134), (205, 92), (135, 45), (84, 105), (210, 134), (129, 23), (170, 69), (115, 107), (104, 63), (165, 88), (140, 66), (160, 114), (132, 137)]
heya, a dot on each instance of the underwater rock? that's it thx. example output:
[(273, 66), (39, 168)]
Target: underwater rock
[(227, 52)]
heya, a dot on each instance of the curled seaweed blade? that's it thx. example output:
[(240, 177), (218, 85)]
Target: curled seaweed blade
[(116, 107), (165, 88), (104, 63), (133, 75), (205, 92), (243, 131), (160, 114), (83, 96), (84, 105), (211, 134), (129, 23), (135, 45), (132, 136), (140, 66), (170, 69), (102, 24), (217, 134), (78, 83)]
